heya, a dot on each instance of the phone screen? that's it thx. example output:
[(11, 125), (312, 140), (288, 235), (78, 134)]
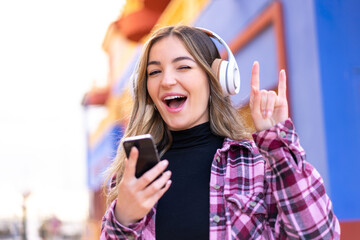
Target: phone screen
[(148, 155)]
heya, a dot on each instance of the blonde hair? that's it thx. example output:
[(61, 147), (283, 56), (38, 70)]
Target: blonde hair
[(224, 119)]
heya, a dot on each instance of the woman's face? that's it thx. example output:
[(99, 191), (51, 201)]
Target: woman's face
[(177, 85)]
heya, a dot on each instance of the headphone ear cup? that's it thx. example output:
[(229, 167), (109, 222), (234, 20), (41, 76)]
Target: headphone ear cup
[(219, 67)]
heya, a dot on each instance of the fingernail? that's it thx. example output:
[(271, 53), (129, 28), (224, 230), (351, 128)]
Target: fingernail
[(264, 114), (164, 162)]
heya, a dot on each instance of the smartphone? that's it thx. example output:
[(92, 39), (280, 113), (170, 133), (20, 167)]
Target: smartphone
[(148, 154)]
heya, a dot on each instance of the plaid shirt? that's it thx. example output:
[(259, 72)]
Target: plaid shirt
[(258, 190)]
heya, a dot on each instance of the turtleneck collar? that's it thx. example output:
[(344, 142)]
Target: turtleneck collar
[(192, 137)]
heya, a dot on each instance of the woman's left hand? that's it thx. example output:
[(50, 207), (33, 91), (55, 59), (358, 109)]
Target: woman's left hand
[(267, 107)]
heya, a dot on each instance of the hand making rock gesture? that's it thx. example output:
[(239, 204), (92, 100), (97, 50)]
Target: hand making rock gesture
[(267, 107)]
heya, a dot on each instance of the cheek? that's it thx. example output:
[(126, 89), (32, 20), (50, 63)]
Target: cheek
[(151, 89), (202, 93)]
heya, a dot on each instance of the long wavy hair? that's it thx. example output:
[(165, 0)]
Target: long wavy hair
[(224, 119)]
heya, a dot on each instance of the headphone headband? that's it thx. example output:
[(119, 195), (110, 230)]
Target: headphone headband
[(219, 39)]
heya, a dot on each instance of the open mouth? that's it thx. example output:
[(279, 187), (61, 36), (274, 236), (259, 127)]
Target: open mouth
[(174, 101)]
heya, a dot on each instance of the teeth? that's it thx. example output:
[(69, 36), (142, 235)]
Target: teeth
[(172, 97)]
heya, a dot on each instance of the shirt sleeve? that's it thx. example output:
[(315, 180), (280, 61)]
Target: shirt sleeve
[(112, 229), (304, 209)]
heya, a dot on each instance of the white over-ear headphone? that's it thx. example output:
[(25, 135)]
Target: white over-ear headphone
[(226, 71)]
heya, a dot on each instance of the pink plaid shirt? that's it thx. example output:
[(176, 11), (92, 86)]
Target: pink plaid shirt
[(261, 189)]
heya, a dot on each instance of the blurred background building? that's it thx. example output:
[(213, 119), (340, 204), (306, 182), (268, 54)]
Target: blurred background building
[(317, 42)]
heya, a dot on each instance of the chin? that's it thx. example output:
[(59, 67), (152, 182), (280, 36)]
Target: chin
[(177, 126)]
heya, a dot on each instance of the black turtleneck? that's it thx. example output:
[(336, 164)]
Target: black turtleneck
[(183, 211)]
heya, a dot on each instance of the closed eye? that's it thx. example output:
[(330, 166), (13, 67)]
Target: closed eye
[(152, 73), (184, 67)]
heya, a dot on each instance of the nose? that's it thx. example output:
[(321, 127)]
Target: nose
[(168, 79)]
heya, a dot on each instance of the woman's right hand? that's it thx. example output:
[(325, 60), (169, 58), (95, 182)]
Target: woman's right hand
[(136, 196)]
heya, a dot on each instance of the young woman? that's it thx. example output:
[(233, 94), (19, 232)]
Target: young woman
[(216, 180)]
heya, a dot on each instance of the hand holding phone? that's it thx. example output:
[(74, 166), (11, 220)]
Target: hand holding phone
[(132, 206), (148, 155)]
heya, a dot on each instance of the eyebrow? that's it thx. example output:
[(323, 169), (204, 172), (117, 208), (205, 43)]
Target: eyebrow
[(173, 61)]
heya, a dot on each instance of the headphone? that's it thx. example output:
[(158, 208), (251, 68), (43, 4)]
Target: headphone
[(227, 71)]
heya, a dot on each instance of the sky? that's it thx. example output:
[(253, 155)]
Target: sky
[(50, 55)]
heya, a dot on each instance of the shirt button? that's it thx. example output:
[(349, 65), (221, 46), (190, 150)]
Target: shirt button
[(216, 218), (218, 159), (252, 204), (283, 134), (216, 186)]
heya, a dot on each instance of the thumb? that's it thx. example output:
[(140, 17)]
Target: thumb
[(130, 163)]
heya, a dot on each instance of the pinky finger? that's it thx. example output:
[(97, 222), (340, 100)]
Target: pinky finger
[(282, 84)]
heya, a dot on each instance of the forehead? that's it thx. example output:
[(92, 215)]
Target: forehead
[(170, 46)]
